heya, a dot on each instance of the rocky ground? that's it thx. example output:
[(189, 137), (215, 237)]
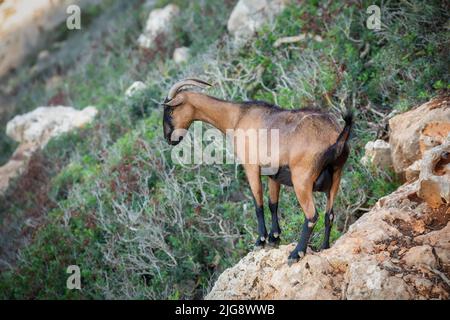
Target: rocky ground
[(398, 250)]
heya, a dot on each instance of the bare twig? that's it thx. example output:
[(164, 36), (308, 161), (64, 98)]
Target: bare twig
[(297, 38)]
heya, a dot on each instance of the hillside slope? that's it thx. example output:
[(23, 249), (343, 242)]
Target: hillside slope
[(109, 197)]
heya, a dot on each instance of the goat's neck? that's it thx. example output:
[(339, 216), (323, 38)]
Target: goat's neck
[(221, 114)]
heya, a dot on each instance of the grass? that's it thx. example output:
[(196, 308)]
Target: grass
[(140, 226)]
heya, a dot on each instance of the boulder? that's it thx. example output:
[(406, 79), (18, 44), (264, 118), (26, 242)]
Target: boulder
[(43, 123), (377, 153), (378, 258), (34, 129), (159, 24), (415, 131), (249, 15), (181, 55)]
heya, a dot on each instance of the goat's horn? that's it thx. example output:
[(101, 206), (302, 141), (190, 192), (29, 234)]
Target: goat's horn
[(187, 82)]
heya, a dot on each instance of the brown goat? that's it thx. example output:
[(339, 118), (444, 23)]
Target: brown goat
[(311, 154)]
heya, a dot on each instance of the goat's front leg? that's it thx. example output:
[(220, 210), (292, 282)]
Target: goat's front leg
[(303, 186), (254, 179), (275, 231)]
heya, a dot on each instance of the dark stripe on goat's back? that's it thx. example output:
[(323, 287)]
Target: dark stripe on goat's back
[(275, 108), (272, 109)]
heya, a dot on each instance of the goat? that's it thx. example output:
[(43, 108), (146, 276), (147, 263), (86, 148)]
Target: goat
[(312, 152)]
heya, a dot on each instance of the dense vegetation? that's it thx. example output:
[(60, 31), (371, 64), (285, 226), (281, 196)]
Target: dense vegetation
[(108, 197)]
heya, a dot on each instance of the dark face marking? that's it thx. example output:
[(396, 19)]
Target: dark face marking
[(168, 124)]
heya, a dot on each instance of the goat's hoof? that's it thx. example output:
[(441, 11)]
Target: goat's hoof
[(274, 240), (260, 243), (294, 257), (292, 261), (324, 246)]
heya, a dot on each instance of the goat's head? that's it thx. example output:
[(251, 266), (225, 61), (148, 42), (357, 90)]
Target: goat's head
[(178, 111)]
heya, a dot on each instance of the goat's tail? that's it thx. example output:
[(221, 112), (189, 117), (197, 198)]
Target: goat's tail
[(335, 151)]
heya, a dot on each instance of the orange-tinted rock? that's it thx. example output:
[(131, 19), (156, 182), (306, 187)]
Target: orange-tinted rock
[(429, 121)]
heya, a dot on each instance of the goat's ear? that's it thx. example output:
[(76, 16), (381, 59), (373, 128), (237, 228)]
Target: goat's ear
[(175, 101)]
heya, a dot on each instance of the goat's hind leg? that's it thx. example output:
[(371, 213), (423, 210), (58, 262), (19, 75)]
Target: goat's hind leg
[(329, 215), (303, 186), (275, 231)]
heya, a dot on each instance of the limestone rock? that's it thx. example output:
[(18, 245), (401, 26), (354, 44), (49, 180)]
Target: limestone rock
[(377, 153), (440, 241), (249, 15), (417, 130), (159, 23), (434, 177), (43, 123), (420, 255), (367, 280), (181, 55), (413, 171), (433, 134), (136, 87)]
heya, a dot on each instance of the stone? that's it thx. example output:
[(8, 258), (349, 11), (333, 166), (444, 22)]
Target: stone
[(413, 171), (248, 16), (440, 241), (419, 256), (136, 87), (181, 55), (377, 153), (159, 24), (413, 131), (43, 123), (43, 55), (434, 177), (433, 134), (366, 280)]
